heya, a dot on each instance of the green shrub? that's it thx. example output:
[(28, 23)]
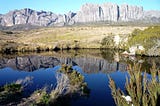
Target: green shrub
[(107, 42), (10, 93), (12, 87)]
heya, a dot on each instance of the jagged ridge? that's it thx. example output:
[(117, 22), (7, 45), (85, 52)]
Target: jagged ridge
[(88, 13)]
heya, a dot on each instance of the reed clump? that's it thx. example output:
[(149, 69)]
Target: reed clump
[(141, 90)]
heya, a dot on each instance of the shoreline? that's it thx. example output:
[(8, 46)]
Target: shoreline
[(74, 49)]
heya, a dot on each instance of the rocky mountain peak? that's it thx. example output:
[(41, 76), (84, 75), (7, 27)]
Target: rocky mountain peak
[(88, 12)]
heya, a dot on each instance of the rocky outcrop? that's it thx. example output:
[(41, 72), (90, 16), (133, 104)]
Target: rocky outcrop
[(110, 12), (94, 13), (32, 17), (88, 13), (130, 13)]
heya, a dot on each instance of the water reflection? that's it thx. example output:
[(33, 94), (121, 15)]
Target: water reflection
[(95, 65)]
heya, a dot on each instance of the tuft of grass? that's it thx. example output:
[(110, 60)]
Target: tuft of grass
[(10, 93)]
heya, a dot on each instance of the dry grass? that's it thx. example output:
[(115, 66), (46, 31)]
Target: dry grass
[(88, 35), (64, 37)]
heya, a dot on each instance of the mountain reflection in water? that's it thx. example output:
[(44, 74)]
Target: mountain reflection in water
[(94, 65)]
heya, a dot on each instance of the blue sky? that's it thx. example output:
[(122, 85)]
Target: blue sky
[(64, 6)]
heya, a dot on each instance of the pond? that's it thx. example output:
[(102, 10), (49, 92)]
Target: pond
[(95, 65)]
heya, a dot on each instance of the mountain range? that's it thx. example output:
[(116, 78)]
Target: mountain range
[(106, 12)]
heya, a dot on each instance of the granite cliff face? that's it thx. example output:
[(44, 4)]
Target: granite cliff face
[(88, 13), (130, 13), (37, 18), (94, 13)]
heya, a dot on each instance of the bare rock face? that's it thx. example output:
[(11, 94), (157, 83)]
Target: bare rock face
[(69, 18), (7, 19), (130, 13), (1, 20), (88, 13), (32, 17), (110, 12)]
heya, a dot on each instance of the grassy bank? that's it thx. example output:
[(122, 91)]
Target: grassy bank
[(88, 37), (60, 38), (148, 38), (142, 42)]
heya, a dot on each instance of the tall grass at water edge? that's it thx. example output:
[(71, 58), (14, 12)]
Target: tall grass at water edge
[(142, 91)]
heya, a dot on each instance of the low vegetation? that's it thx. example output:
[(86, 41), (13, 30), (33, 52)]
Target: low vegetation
[(148, 38), (10, 93), (79, 37), (141, 91), (144, 42)]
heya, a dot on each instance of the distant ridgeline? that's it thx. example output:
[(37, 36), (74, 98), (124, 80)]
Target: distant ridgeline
[(107, 12)]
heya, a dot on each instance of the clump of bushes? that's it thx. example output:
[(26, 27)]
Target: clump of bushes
[(13, 87), (108, 42), (113, 41), (141, 90)]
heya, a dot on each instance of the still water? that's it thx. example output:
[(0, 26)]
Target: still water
[(94, 65)]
